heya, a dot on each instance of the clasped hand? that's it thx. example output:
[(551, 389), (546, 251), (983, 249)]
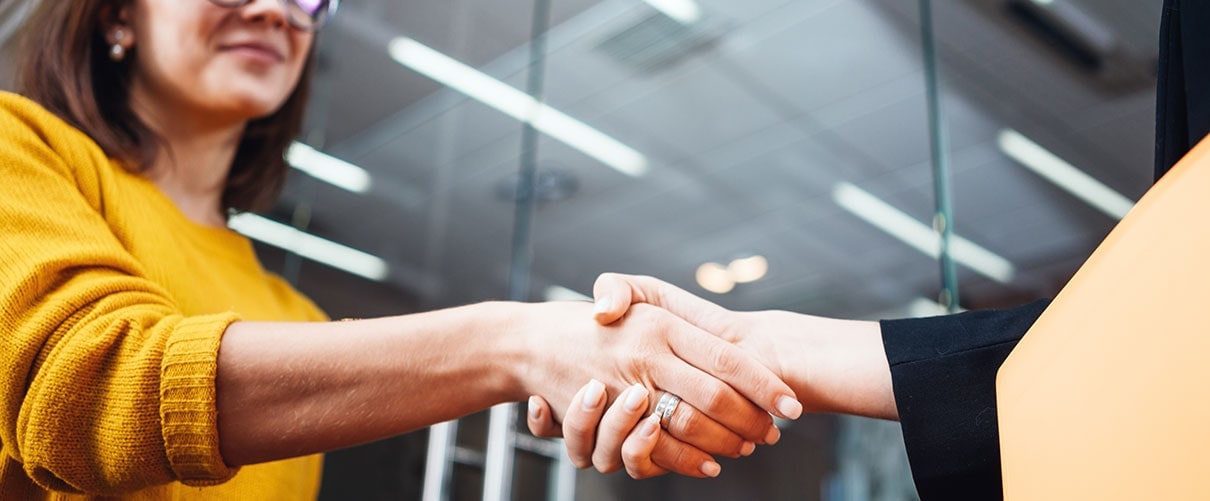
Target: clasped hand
[(709, 421)]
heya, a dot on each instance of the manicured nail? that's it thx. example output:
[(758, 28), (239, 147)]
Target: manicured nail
[(603, 304), (788, 407), (635, 397), (534, 410), (711, 469), (773, 436), (747, 449), (649, 426), (593, 395)]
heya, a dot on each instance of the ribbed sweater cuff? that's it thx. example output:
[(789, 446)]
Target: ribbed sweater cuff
[(188, 408)]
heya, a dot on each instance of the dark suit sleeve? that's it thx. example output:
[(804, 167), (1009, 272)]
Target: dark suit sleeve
[(1182, 110), (944, 374)]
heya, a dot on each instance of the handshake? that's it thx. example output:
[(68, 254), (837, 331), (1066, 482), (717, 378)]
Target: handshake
[(696, 380)]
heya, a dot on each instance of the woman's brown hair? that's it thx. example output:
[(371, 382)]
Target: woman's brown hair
[(65, 67)]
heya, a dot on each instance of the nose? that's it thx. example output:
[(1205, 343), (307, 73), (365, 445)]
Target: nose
[(271, 13)]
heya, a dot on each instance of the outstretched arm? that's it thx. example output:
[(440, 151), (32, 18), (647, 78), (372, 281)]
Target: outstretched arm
[(291, 389)]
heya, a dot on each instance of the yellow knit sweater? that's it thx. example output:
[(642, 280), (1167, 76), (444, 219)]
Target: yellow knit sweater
[(112, 305)]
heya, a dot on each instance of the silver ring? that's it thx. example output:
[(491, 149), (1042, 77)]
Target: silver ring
[(665, 407)]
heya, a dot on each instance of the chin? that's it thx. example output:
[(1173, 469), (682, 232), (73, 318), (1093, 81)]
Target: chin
[(252, 107)]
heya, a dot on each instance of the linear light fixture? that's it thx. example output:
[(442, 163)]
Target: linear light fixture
[(922, 307), (919, 235), (683, 11), (560, 293), (1064, 175), (328, 169), (310, 246), (519, 105)]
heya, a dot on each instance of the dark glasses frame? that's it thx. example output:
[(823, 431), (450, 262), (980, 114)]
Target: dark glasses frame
[(298, 16)]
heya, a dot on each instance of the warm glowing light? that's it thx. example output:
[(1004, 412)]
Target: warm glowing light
[(748, 269), (715, 278)]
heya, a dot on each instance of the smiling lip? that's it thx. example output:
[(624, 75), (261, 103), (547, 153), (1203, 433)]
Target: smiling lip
[(260, 51)]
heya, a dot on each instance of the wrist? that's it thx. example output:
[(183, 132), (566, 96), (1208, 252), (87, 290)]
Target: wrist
[(844, 368), (513, 354)]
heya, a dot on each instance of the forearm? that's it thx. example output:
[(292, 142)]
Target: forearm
[(285, 390), (834, 366)]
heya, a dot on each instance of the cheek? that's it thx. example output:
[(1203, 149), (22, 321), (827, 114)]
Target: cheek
[(302, 51)]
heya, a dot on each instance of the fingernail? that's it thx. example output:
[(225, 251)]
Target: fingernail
[(789, 408), (773, 435), (603, 304), (593, 395), (711, 469), (649, 426), (635, 397), (747, 449), (534, 410)]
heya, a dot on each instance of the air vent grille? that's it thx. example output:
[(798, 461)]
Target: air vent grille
[(657, 41)]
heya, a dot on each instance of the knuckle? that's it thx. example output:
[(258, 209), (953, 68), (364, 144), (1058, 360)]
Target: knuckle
[(607, 466), (718, 398), (686, 422), (725, 360), (579, 462), (681, 458), (632, 455), (575, 428)]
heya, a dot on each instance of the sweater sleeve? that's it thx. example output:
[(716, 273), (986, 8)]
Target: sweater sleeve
[(943, 370), (107, 387)]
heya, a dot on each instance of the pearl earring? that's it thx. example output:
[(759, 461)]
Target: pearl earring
[(117, 52)]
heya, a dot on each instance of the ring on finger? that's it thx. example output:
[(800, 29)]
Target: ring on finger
[(665, 407)]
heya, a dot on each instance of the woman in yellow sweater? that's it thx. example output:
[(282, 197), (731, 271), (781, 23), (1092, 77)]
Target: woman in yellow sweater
[(146, 354)]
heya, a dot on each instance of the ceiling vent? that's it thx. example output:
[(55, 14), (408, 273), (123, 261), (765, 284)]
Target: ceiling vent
[(657, 41), (1085, 43), (1081, 41)]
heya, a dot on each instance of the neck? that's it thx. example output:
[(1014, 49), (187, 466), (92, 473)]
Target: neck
[(192, 166)]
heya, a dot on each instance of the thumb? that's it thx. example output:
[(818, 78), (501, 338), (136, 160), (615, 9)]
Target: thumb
[(615, 292)]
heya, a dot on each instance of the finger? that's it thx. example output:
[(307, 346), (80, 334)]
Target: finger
[(676, 456), (740, 370), (540, 420), (619, 420), (615, 292), (612, 297), (649, 452), (714, 398), (692, 427), (638, 447), (580, 423)]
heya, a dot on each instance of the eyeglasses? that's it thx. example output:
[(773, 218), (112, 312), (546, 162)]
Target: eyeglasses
[(306, 15)]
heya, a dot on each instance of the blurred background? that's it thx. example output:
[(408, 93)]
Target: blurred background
[(763, 154)]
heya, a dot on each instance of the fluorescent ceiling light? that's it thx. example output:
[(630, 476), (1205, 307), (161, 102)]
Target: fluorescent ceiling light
[(560, 293), (683, 11), (1062, 174), (519, 105), (919, 235), (310, 246), (328, 169), (921, 307)]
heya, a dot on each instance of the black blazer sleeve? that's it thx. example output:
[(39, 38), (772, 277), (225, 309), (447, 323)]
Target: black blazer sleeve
[(1182, 108), (944, 374)]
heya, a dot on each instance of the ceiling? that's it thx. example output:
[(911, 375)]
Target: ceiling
[(748, 126)]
